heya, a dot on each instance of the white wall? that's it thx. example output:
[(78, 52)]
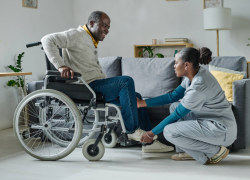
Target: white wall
[(140, 21), (132, 22), (19, 26)]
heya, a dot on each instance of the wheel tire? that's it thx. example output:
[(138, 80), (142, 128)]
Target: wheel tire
[(109, 142), (60, 152), (93, 156)]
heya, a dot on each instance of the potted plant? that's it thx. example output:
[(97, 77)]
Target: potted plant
[(148, 51), (18, 81)]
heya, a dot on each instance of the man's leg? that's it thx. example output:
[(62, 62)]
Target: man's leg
[(143, 117), (121, 87)]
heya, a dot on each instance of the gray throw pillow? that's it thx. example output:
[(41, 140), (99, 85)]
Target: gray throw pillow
[(111, 66), (235, 63), (152, 77), (214, 68)]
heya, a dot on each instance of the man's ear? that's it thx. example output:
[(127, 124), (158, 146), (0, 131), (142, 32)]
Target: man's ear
[(91, 23)]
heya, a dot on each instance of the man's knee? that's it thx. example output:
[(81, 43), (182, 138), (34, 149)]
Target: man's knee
[(173, 106), (128, 80)]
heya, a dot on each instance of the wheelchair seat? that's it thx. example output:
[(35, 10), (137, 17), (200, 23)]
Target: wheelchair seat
[(79, 93)]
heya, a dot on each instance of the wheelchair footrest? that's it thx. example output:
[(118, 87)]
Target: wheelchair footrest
[(124, 141), (129, 142)]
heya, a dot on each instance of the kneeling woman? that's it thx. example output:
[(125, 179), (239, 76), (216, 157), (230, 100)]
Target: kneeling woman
[(202, 124)]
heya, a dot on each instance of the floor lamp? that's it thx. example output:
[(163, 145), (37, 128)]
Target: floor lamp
[(217, 19)]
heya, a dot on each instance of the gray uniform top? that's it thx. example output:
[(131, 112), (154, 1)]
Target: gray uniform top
[(207, 101)]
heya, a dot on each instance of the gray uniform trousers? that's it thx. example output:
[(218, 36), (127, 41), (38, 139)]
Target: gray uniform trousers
[(198, 138)]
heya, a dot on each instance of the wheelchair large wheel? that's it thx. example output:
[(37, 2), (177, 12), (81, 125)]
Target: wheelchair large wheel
[(92, 116), (41, 131)]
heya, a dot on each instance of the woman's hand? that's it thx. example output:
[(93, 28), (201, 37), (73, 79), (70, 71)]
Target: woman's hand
[(141, 103), (146, 139)]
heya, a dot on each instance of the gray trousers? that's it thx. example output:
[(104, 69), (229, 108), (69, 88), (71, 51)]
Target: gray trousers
[(201, 139)]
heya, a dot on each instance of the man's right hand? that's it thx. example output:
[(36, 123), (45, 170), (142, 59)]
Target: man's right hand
[(66, 72)]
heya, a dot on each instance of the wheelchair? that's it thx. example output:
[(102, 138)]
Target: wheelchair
[(50, 123)]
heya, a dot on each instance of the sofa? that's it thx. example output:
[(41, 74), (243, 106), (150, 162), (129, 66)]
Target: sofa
[(155, 76)]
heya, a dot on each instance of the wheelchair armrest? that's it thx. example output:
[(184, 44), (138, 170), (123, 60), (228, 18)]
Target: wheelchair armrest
[(57, 73), (76, 77)]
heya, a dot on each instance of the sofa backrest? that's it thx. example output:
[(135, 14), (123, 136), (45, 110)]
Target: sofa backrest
[(152, 77), (111, 66), (236, 63)]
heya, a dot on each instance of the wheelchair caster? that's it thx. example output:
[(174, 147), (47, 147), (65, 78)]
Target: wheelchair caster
[(91, 155), (109, 141)]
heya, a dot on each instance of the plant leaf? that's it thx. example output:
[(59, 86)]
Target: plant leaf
[(13, 68), (160, 55), (140, 53), (11, 83)]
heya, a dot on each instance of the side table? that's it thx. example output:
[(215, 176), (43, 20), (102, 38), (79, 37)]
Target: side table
[(5, 74)]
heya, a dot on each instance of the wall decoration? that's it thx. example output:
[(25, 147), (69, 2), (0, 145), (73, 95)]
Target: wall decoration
[(30, 3), (212, 3)]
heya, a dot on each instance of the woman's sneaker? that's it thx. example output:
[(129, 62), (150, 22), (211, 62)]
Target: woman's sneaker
[(157, 147), (138, 134), (219, 156), (182, 157)]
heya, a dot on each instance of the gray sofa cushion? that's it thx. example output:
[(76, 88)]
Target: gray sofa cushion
[(111, 66), (153, 77), (236, 63)]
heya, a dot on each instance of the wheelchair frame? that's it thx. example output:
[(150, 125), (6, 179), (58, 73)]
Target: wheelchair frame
[(90, 146)]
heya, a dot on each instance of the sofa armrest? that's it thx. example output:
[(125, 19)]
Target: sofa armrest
[(241, 110)]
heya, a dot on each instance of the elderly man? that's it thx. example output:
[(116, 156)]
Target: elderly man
[(81, 55)]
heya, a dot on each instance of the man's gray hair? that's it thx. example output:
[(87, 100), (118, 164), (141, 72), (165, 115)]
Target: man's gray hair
[(95, 16)]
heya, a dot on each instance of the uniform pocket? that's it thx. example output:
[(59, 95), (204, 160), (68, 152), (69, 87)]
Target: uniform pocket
[(218, 129)]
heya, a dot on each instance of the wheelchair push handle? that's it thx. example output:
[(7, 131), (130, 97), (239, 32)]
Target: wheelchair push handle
[(33, 44)]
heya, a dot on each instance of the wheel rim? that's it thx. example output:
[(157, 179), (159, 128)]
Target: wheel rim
[(108, 138), (32, 118), (91, 152)]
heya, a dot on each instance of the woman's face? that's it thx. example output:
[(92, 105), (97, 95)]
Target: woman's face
[(179, 66)]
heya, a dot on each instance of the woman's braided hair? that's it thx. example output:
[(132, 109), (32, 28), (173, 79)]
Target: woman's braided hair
[(196, 56)]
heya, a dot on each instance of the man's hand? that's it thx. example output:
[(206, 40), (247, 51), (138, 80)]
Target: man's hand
[(66, 72), (146, 139), (141, 103)]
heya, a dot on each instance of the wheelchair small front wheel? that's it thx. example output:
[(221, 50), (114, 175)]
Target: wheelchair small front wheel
[(109, 141), (89, 153)]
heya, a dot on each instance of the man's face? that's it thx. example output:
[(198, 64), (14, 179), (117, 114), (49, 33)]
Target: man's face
[(100, 29)]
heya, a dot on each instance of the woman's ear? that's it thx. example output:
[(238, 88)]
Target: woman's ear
[(186, 65)]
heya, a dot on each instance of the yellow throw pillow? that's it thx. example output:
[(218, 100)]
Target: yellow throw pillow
[(226, 82)]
